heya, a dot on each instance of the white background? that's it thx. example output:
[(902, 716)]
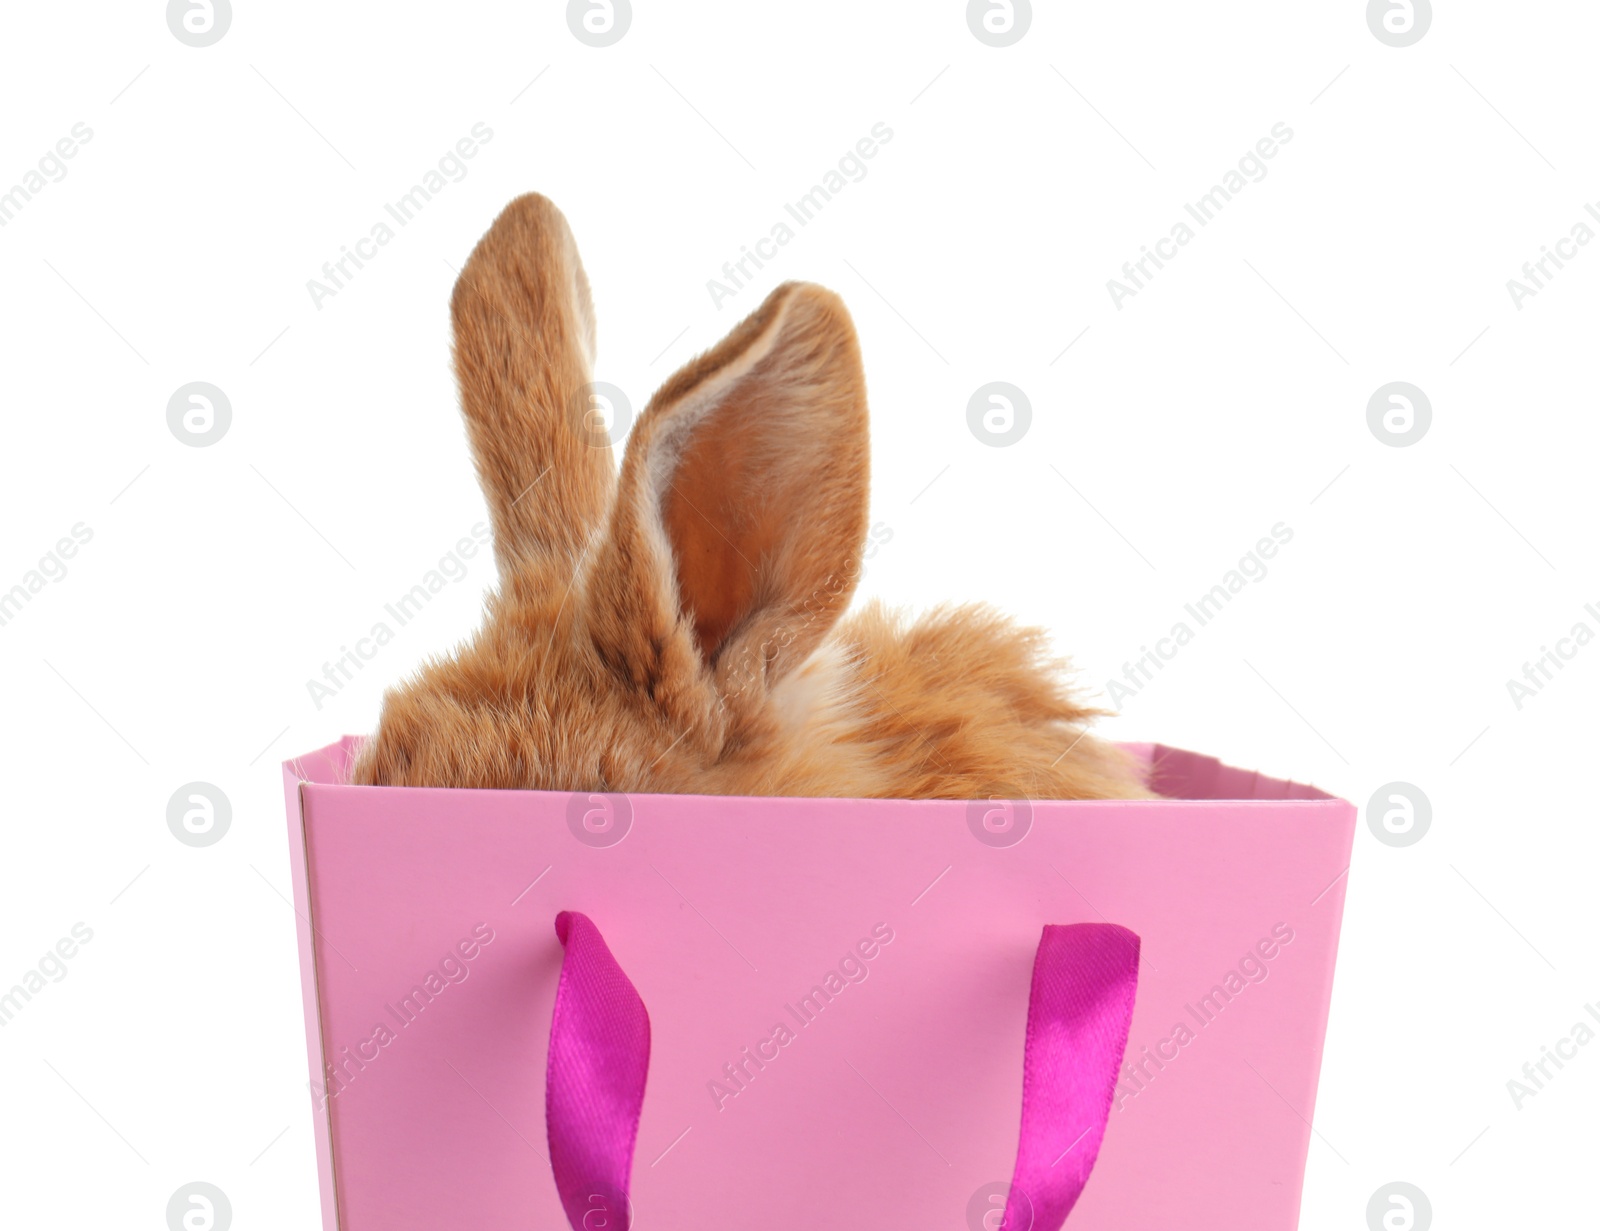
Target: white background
[(1227, 396)]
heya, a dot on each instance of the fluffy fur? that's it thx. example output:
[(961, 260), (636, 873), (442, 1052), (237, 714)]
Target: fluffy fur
[(678, 627)]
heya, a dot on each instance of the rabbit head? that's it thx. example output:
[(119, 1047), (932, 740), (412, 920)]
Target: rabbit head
[(672, 627)]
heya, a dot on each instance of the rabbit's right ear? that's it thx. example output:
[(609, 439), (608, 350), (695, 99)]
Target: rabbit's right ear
[(741, 508), (524, 346)]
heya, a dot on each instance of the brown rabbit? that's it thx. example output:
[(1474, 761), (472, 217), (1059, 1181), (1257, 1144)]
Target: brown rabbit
[(678, 628)]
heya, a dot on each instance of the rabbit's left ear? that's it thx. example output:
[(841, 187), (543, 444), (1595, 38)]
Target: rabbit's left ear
[(524, 343), (742, 504)]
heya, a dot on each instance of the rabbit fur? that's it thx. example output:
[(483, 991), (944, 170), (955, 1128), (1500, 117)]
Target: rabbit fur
[(679, 626)]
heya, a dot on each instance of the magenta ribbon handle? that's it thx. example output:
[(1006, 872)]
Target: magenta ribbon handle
[(594, 1081), (1079, 1009)]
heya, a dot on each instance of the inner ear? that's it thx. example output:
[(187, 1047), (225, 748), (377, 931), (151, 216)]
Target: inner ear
[(722, 512), (742, 504)]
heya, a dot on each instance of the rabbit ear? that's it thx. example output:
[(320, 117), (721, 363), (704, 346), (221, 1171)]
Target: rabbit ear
[(524, 343), (742, 504)]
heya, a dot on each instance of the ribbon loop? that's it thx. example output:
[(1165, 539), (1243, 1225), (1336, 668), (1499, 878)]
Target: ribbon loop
[(594, 1081), (1079, 1011), (1080, 1007)]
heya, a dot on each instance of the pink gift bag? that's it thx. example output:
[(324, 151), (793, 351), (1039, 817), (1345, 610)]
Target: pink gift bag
[(541, 1010)]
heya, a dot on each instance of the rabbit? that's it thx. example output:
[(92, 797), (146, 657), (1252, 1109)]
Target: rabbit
[(679, 627)]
